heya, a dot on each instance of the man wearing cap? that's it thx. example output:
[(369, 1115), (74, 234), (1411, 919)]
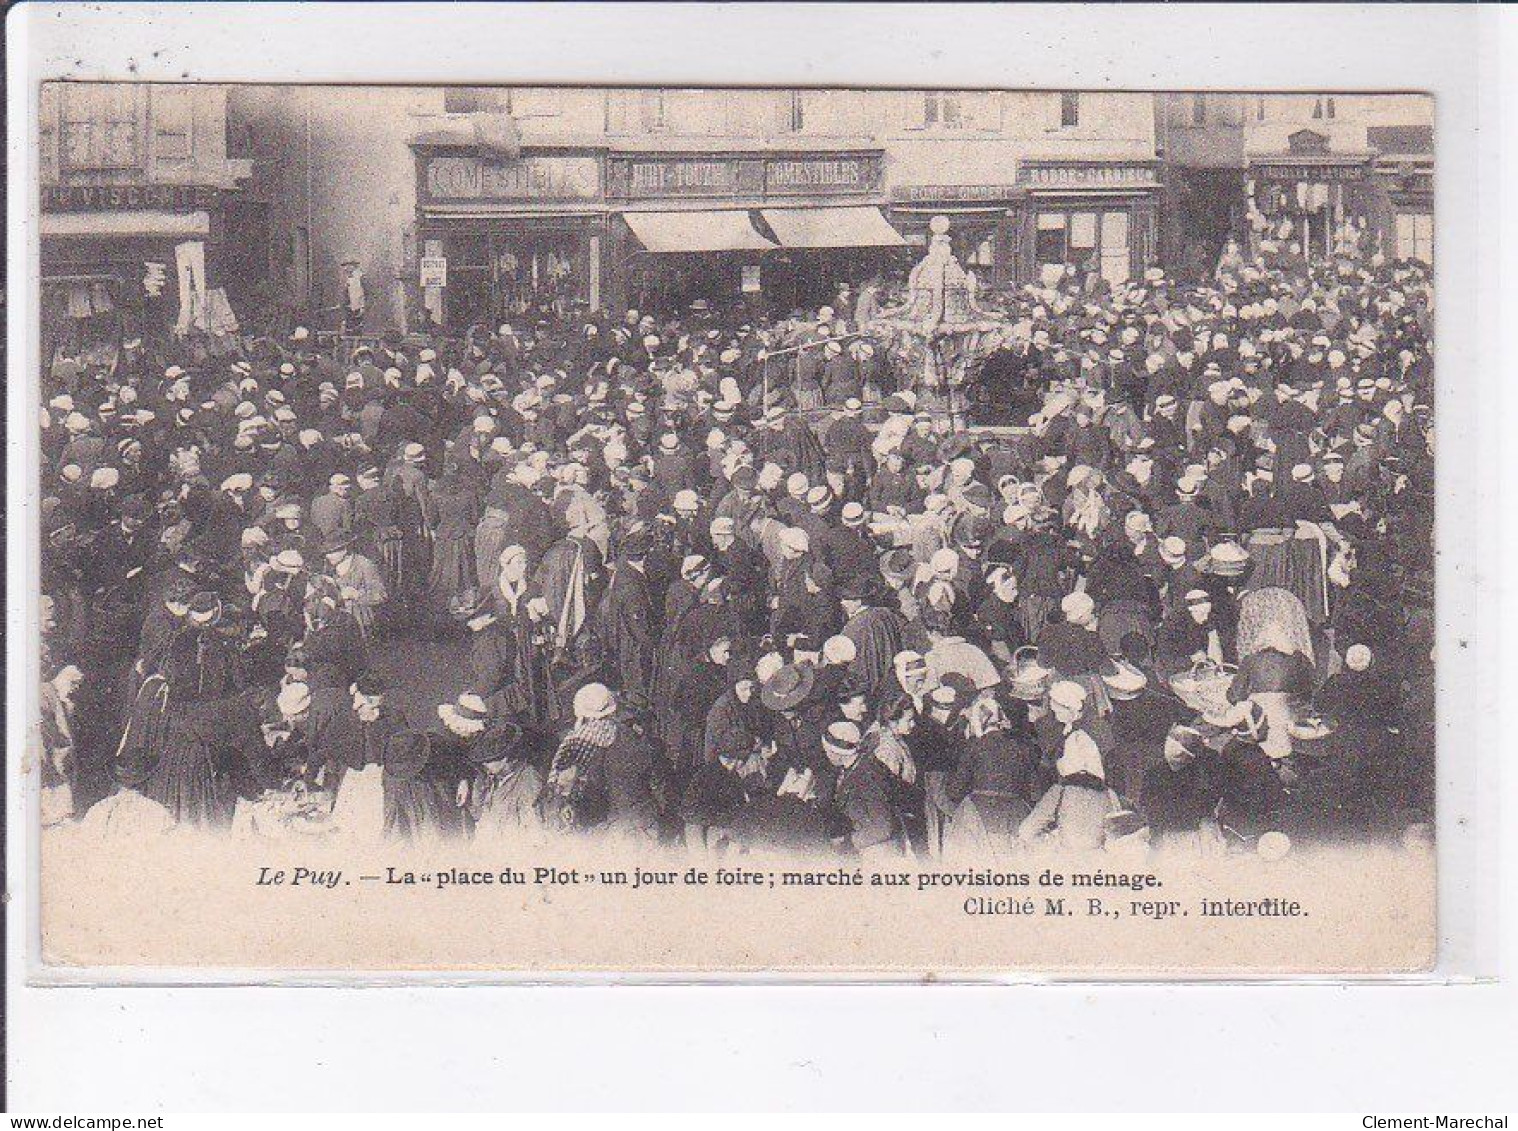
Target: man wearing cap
[(360, 584), (332, 513), (848, 453), (746, 571), (406, 549), (846, 547), (786, 440), (803, 589)]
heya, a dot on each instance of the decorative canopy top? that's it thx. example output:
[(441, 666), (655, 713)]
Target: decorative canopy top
[(941, 294)]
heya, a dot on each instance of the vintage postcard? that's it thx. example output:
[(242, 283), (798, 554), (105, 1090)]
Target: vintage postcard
[(527, 530)]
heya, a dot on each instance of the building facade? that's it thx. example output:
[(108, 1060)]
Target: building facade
[(473, 205), (1033, 180), (136, 185), (1315, 174)]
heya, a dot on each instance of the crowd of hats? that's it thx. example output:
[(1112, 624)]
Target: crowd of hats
[(1154, 395)]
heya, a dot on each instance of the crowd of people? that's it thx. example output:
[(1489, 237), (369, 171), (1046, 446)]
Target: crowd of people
[(694, 594)]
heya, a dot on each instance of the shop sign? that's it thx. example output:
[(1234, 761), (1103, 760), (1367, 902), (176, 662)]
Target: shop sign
[(1094, 175), (528, 178), (1309, 172), (678, 177), (102, 198), (434, 271), (822, 175), (754, 176), (934, 194)]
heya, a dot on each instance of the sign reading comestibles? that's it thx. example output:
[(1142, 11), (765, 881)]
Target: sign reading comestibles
[(527, 178)]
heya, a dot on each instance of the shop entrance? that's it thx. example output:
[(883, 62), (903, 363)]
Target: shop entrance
[(1095, 241), (509, 272)]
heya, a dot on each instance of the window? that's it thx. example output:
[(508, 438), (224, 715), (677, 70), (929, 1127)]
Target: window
[(1049, 243), (983, 254), (173, 113), (1323, 107), (1328, 106), (1259, 108), (1070, 108), (1198, 109), (654, 110), (796, 112), (1089, 241), (476, 100), (941, 108), (100, 126), (1415, 236)]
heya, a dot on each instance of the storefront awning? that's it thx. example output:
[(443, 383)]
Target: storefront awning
[(832, 227), (696, 231), (132, 225)]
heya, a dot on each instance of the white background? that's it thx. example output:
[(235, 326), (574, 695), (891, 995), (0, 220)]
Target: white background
[(1388, 1048)]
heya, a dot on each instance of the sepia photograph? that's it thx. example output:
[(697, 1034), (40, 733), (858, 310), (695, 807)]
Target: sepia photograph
[(776, 512), (779, 557)]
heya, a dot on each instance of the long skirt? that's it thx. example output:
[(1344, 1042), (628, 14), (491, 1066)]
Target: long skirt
[(1118, 620), (1282, 560), (416, 810), (984, 827), (453, 585), (186, 781)]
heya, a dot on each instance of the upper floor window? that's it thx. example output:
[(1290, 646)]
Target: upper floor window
[(1323, 107), (476, 100), (99, 126), (1070, 108), (796, 111), (653, 109), (1259, 108), (942, 108), (1198, 109), (173, 116)]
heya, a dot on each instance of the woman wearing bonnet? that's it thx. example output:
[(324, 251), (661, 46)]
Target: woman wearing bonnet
[(1073, 812)]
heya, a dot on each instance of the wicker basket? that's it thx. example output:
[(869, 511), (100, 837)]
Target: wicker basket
[(1204, 687)]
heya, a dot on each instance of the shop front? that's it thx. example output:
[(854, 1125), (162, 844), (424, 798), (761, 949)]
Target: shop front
[(502, 239), (1404, 173), (128, 261), (1408, 230), (1310, 198), (978, 214), (770, 231), (1098, 217)]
